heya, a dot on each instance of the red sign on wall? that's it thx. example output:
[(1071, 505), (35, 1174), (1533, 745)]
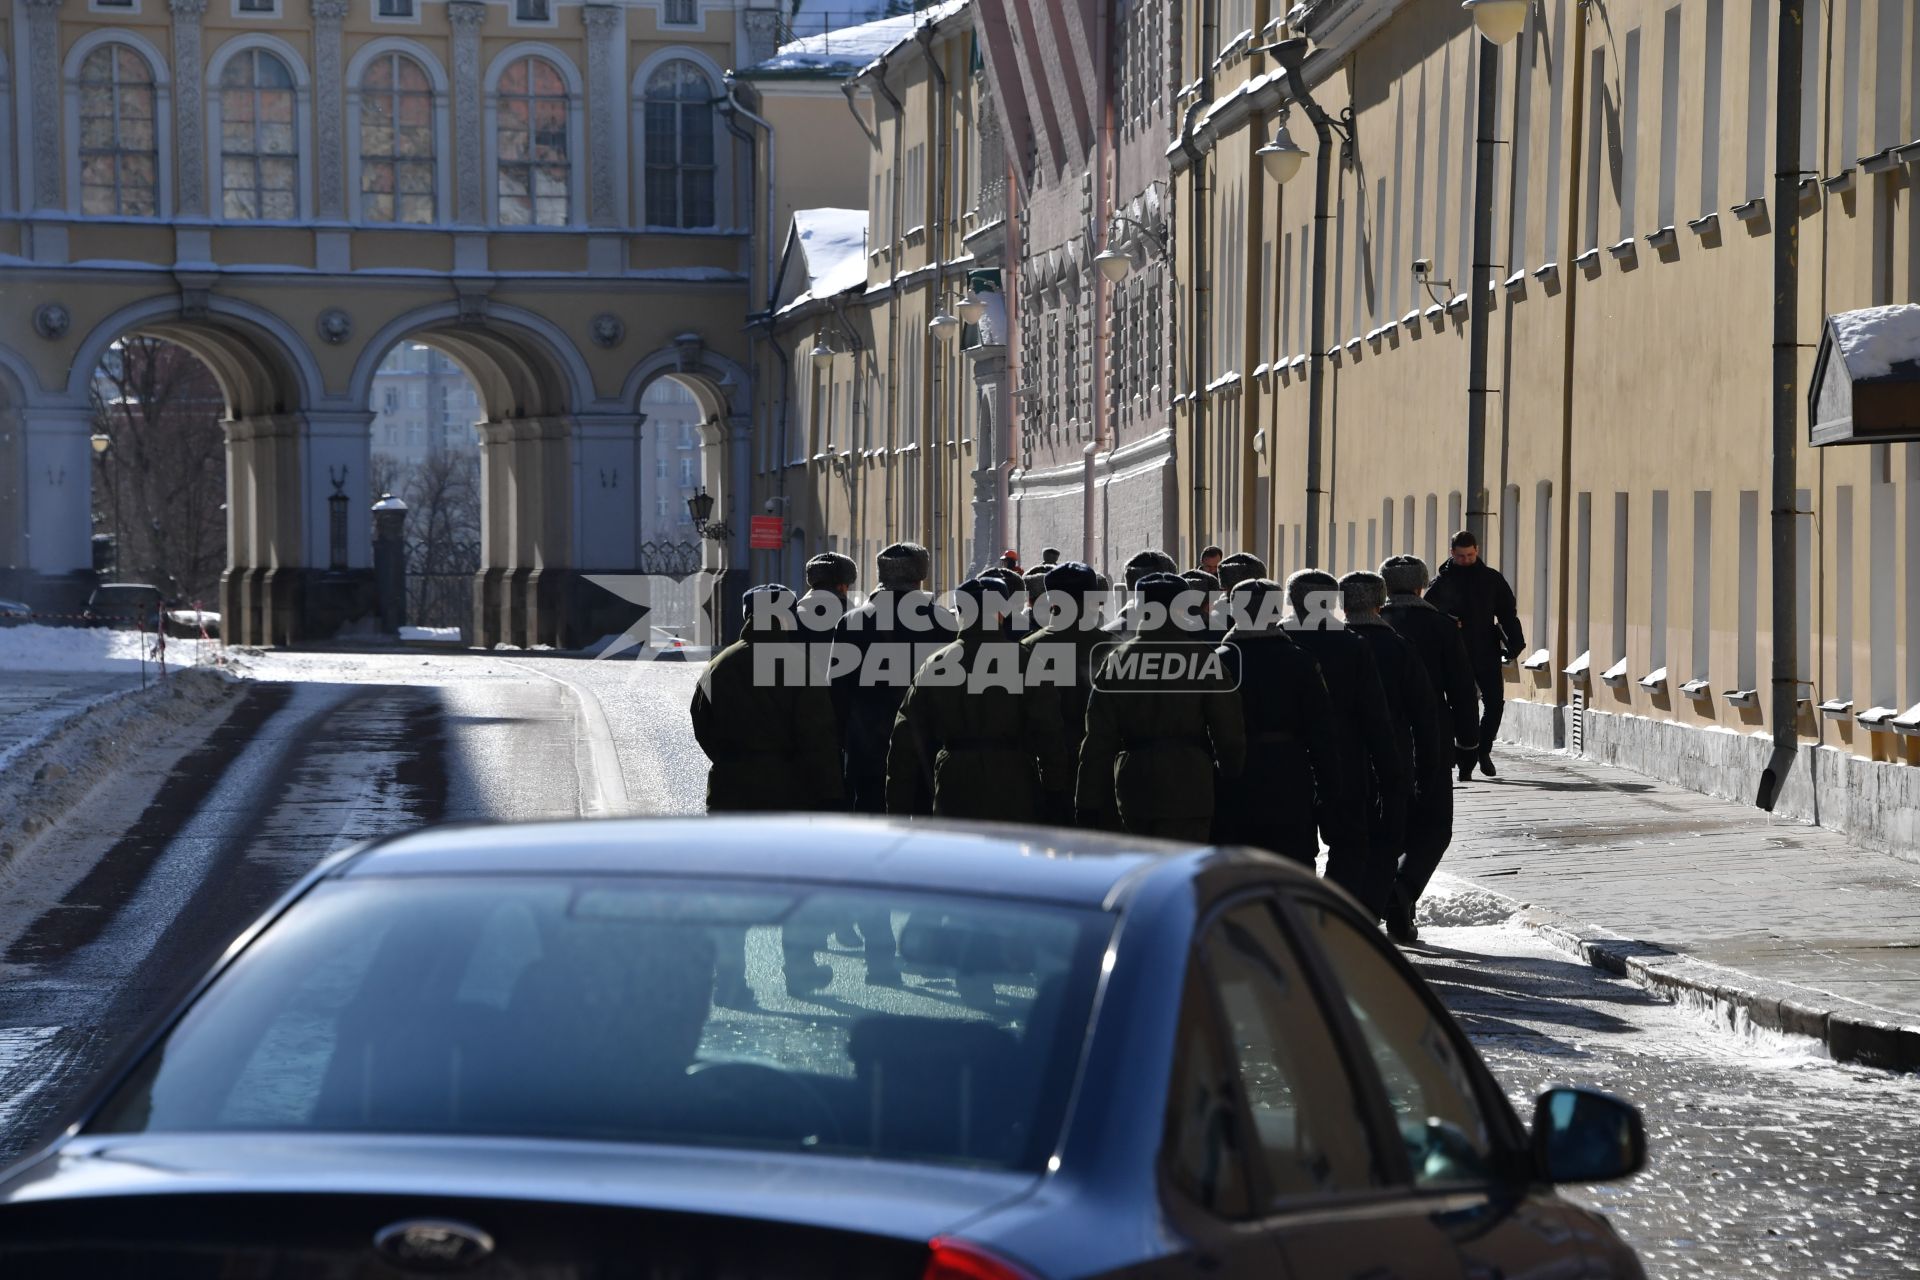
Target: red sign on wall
[(765, 533)]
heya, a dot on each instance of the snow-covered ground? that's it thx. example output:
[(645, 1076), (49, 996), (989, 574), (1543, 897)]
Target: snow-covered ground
[(41, 648)]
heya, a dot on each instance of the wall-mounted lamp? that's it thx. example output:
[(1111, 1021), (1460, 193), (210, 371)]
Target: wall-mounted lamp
[(101, 442), (1115, 262), (1498, 20), (944, 325), (970, 310), (1282, 156), (822, 353)]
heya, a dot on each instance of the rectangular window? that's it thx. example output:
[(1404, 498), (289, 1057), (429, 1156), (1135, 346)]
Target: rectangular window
[(1596, 148), (682, 13), (1710, 112), (1522, 147), (1510, 534), (1884, 588), (1657, 606), (1621, 543), (1396, 246), (1849, 85), (1843, 592), (1442, 187), (1373, 545), (1558, 74), (1583, 575), (1265, 352), (1669, 118), (532, 10), (1406, 510), (1453, 512), (1463, 265), (686, 473), (1803, 586), (1286, 295), (1747, 674), (1887, 131), (1759, 118), (1627, 145), (1433, 533), (1542, 559), (396, 8), (258, 6), (1702, 585), (1387, 546)]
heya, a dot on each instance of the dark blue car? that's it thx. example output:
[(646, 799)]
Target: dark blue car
[(797, 1046)]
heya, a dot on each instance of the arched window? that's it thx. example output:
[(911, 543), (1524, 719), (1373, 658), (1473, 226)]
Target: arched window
[(533, 162), (119, 158), (396, 141), (258, 154), (680, 152)]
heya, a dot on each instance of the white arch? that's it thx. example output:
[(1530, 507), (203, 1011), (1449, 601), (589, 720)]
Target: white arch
[(723, 142), (302, 115), (558, 347), (442, 129), (162, 112), (311, 386), (17, 380), (576, 125)]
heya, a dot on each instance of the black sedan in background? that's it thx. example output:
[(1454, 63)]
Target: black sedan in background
[(797, 1047)]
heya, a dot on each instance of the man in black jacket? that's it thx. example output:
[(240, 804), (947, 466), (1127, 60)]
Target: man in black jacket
[(1293, 769), (1373, 783), (898, 628), (1476, 593), (1426, 748), (1435, 636)]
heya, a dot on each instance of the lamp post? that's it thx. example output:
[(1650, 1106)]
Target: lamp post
[(700, 507), (102, 442), (1291, 54)]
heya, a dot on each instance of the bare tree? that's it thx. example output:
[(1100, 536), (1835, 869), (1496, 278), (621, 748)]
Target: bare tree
[(161, 485), (442, 493)]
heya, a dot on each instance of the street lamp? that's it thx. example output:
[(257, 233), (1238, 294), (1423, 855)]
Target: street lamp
[(970, 310), (822, 353), (944, 325), (1498, 20), (1283, 155), (101, 442), (700, 507), (1114, 262)]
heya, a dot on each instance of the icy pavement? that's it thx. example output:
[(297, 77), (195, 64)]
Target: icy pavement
[(1766, 1158)]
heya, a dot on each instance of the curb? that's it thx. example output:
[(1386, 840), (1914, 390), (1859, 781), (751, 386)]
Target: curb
[(1850, 1030)]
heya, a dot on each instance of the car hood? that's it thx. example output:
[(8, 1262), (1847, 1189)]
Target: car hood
[(906, 1201)]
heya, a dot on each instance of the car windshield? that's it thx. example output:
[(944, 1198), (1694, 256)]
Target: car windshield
[(641, 1010)]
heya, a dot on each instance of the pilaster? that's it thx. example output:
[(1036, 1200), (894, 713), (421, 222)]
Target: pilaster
[(605, 28), (469, 141), (43, 74), (189, 116), (329, 113)]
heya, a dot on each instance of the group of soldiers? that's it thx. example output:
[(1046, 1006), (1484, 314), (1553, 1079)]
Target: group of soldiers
[(1216, 705)]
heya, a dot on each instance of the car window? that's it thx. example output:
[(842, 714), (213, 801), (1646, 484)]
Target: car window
[(1446, 1131), (1203, 1155), (1309, 1130), (641, 1011)]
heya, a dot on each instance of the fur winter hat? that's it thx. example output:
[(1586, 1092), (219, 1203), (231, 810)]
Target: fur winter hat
[(1363, 592), (1240, 567), (1405, 575), (1146, 562), (831, 569), (904, 564)]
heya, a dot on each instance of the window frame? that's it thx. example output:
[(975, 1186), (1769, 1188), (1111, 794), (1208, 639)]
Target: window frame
[(273, 9), (1511, 1155), (515, 19), (571, 83), (364, 64), (678, 167), (302, 136), (1382, 1133), (78, 58), (692, 8)]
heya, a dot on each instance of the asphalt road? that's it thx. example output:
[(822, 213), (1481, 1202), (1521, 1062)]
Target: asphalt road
[(1766, 1159)]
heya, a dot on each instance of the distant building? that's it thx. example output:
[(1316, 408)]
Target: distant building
[(671, 467), (423, 402)]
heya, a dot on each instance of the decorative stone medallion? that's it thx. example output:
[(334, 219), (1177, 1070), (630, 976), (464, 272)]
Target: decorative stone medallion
[(609, 329), (51, 321), (334, 326)]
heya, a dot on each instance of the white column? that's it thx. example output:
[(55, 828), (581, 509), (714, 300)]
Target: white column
[(329, 115), (45, 93), (189, 116), (606, 28), (58, 488), (469, 144)]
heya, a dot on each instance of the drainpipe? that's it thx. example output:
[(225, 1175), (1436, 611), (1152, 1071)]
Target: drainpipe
[(1563, 568), (857, 413), (1786, 403), (1317, 333), (734, 105), (1479, 307), (1202, 295), (937, 250)]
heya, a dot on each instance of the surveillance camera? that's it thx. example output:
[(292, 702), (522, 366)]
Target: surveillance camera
[(1422, 266), (768, 506)]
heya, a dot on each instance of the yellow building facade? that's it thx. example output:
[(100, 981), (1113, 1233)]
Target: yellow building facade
[(1625, 475)]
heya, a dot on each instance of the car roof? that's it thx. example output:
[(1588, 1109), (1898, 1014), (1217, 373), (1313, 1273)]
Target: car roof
[(1055, 864)]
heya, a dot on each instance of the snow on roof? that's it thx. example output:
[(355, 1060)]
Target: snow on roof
[(833, 251), (1876, 339), (847, 50)]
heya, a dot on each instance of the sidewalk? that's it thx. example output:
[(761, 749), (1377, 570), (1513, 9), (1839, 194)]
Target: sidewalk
[(1788, 925)]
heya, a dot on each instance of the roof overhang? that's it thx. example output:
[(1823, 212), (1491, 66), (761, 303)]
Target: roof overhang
[(1866, 378)]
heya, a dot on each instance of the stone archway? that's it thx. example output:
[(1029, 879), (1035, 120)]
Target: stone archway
[(532, 382), (267, 378)]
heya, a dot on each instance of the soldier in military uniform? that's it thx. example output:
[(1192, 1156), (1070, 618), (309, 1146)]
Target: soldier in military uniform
[(1293, 757), (1373, 783), (1152, 749), (892, 633), (1069, 642), (972, 740)]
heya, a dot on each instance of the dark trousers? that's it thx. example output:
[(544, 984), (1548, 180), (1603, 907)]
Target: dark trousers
[(1492, 684), (1429, 832)]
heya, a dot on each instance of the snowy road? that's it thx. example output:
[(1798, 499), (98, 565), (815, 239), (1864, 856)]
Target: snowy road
[(1766, 1159)]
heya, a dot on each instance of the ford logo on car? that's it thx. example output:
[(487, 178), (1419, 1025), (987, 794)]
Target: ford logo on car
[(424, 1244)]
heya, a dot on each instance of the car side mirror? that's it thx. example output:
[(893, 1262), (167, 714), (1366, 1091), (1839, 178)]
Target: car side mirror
[(1584, 1135)]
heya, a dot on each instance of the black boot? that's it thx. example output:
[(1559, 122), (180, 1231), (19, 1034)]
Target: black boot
[(1400, 925), (1486, 764)]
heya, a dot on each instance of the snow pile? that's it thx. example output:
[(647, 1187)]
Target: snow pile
[(42, 784), (1876, 339), (849, 49), (437, 635), (1453, 903), (39, 648)]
